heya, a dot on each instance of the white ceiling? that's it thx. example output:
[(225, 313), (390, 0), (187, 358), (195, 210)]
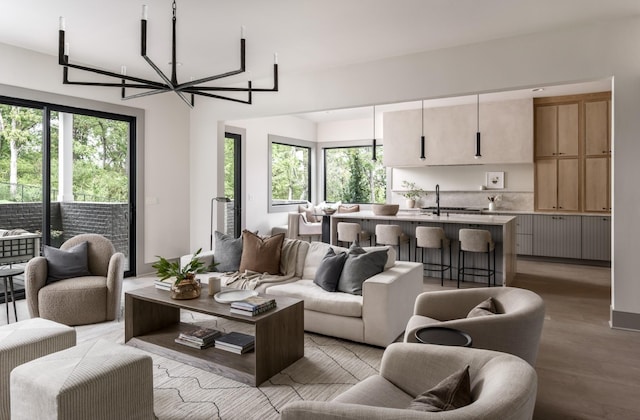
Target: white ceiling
[(308, 35)]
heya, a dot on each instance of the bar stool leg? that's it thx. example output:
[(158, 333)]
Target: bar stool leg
[(450, 263), (494, 266), (488, 265), (441, 263)]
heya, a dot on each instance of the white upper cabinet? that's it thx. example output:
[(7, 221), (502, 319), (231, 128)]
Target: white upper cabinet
[(450, 134)]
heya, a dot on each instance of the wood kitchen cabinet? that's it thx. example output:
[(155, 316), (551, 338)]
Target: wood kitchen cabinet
[(597, 156), (572, 153), (556, 132)]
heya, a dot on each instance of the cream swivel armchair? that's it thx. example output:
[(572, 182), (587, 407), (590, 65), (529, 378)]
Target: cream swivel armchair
[(514, 329), (78, 300), (502, 387)]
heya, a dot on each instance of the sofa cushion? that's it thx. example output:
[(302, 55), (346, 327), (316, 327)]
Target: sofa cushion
[(228, 252), (261, 255), (360, 265), (391, 254), (65, 264), (329, 270), (452, 392), (319, 300), (314, 256), (486, 307)]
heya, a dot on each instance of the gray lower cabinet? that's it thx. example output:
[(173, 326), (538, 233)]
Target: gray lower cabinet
[(596, 238), (557, 236)]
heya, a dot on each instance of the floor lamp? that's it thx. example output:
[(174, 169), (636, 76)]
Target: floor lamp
[(219, 200)]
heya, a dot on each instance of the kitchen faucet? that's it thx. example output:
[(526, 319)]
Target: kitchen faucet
[(437, 212)]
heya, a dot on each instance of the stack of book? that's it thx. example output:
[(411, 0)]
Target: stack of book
[(163, 285), (200, 338), (235, 342), (252, 306)]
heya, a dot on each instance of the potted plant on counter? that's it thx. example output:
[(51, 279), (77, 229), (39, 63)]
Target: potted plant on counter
[(185, 285), (412, 193)]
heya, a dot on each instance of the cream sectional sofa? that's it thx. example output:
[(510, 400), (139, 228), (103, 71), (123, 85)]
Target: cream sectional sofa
[(378, 317)]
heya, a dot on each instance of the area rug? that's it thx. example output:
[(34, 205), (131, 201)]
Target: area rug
[(329, 367)]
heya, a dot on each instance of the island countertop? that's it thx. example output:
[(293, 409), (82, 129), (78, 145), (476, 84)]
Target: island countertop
[(478, 219)]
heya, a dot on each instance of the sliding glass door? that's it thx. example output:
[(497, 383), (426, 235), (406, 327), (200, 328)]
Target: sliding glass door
[(67, 171)]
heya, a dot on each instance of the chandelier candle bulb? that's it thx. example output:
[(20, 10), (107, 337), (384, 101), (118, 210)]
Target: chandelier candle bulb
[(242, 31), (145, 11), (61, 23), (66, 48), (123, 70), (275, 58)]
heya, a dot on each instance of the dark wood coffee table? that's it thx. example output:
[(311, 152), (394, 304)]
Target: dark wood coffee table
[(152, 322), (444, 336)]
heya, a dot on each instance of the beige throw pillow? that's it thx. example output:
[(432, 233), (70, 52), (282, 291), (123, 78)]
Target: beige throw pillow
[(261, 255)]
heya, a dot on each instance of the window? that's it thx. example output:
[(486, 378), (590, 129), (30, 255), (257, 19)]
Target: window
[(350, 176), (290, 169)]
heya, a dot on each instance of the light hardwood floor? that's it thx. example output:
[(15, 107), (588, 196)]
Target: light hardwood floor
[(586, 370)]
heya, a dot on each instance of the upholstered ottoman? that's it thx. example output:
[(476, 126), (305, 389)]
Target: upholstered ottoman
[(24, 341), (100, 380)]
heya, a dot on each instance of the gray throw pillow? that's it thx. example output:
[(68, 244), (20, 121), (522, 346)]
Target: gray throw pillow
[(452, 392), (228, 252), (360, 265), (65, 264), (329, 270), (484, 308)]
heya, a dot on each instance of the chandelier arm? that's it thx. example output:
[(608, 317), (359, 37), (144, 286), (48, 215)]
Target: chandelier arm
[(148, 93), (242, 69), (226, 98), (195, 89)]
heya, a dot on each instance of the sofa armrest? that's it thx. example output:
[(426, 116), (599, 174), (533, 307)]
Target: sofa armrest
[(115, 275), (387, 301), (35, 277), (205, 256)]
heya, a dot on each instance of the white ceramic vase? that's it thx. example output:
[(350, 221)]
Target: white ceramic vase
[(492, 205)]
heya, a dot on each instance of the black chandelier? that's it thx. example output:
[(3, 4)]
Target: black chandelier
[(185, 91)]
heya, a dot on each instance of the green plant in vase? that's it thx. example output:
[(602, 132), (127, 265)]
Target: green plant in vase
[(185, 285)]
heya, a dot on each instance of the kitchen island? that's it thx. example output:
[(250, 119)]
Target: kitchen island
[(502, 228)]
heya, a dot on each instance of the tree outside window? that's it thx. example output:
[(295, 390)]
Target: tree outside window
[(290, 174), (350, 176)]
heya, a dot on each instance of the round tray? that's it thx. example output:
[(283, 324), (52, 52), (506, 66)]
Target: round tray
[(229, 296)]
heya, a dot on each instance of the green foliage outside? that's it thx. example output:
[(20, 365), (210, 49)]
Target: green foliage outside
[(352, 177), (289, 173), (229, 168), (100, 154)]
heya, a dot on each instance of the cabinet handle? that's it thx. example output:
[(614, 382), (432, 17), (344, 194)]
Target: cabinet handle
[(561, 153), (604, 219), (604, 151)]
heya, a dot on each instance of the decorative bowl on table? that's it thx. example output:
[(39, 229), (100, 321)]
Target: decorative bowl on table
[(385, 209), (329, 211)]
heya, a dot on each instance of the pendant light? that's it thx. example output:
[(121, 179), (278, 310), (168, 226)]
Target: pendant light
[(478, 155), (373, 155), (422, 156)]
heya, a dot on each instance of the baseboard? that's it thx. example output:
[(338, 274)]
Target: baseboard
[(625, 320)]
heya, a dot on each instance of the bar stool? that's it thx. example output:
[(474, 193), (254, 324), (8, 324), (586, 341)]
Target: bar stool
[(352, 232), (476, 240), (392, 235), (8, 273), (433, 238)]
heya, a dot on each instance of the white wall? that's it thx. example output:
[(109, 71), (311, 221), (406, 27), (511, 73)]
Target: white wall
[(163, 193), (590, 52), (256, 163)]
